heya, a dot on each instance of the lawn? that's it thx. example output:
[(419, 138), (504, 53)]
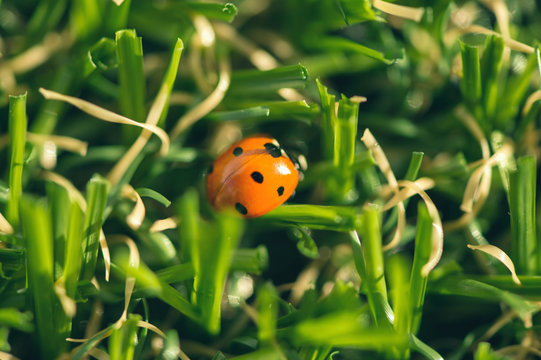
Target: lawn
[(412, 232)]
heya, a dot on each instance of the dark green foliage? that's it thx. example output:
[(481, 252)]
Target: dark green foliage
[(119, 246)]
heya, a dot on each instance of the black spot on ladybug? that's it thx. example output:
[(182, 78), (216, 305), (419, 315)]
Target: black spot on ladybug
[(273, 150), (210, 169), (241, 209), (237, 151), (280, 191), (257, 176)]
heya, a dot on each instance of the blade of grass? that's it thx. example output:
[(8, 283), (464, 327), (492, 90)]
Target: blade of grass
[(470, 84), (491, 65), (215, 250), (344, 45), (337, 218), (342, 188), (418, 280), (117, 16), (252, 261), (85, 18), (45, 17), (131, 78), (37, 232), (396, 271), (17, 135), (524, 249), (374, 276), (96, 199), (267, 306), (123, 340), (328, 119), (252, 82)]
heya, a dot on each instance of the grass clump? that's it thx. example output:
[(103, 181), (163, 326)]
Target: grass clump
[(420, 128)]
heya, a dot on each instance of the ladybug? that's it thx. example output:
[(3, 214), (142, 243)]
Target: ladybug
[(253, 176)]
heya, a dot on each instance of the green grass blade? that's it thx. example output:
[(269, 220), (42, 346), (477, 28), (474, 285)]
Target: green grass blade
[(37, 233), (424, 349), (267, 306), (96, 199), (470, 84), (472, 288), (123, 340), (252, 261), (117, 16), (328, 119), (252, 82), (216, 250), (161, 104), (85, 18), (484, 352), (344, 45), (524, 248), (418, 282), (355, 11), (129, 52), (342, 189), (491, 65), (16, 319), (154, 195), (397, 271), (344, 329), (59, 206), (17, 137), (176, 273), (73, 257), (374, 277), (214, 10), (45, 17), (315, 217)]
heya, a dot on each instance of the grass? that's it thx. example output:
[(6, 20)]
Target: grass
[(419, 123)]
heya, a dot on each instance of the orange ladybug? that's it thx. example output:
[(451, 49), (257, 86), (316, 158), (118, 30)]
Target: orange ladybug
[(253, 176)]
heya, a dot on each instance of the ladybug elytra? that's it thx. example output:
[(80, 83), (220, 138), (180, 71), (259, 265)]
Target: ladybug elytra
[(253, 176)]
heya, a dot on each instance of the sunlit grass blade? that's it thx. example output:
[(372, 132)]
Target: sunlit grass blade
[(342, 186), (424, 349), (252, 261), (374, 276), (315, 217), (472, 288), (418, 280), (514, 93), (17, 134), (123, 340), (176, 273), (524, 248), (328, 119), (396, 271), (470, 83), (253, 82), (117, 16), (267, 305), (154, 195), (131, 77), (160, 106), (344, 329), (37, 232), (85, 18), (491, 65), (216, 249), (344, 45), (96, 199), (16, 319)]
